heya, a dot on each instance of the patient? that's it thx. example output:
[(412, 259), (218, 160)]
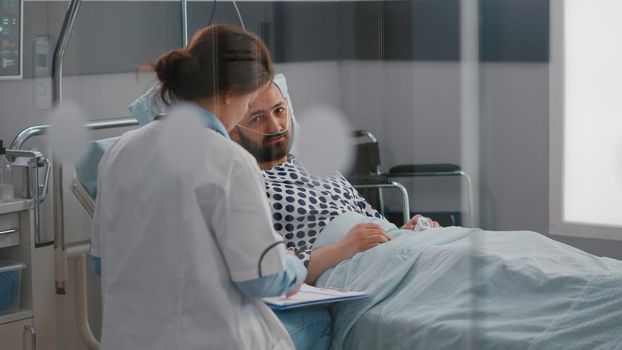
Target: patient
[(303, 204), (462, 289)]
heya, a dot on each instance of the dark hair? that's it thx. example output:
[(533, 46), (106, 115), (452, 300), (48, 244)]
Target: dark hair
[(220, 59)]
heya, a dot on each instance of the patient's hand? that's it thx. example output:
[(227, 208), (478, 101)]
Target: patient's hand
[(360, 238), (413, 221)]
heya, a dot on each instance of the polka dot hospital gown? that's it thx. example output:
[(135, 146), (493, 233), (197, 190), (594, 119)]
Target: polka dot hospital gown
[(303, 204)]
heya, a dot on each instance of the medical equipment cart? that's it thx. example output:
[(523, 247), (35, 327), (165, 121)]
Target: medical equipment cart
[(27, 320)]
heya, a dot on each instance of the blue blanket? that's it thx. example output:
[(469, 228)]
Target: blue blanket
[(459, 288)]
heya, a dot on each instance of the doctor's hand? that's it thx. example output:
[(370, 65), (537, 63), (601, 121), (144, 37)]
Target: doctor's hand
[(413, 221), (294, 291), (360, 238)]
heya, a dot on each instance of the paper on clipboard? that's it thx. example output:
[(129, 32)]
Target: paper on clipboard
[(310, 295)]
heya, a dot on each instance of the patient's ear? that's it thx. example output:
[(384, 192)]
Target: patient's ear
[(227, 99), (234, 134)]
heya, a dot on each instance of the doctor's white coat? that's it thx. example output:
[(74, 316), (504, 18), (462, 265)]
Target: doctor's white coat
[(172, 242)]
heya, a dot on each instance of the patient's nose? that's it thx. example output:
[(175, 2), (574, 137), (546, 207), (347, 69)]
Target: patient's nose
[(273, 124)]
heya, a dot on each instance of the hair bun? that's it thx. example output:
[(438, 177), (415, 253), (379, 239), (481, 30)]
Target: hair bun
[(220, 59), (176, 66)]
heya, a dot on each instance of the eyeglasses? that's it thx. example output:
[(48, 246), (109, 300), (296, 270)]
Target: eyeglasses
[(268, 124)]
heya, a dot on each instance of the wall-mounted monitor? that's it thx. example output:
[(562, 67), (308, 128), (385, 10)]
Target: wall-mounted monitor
[(11, 14)]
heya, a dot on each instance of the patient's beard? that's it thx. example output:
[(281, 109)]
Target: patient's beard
[(267, 152)]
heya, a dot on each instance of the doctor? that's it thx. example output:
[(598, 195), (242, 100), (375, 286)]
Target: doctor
[(180, 250)]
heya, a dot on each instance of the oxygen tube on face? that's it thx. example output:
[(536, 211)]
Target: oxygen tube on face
[(271, 134)]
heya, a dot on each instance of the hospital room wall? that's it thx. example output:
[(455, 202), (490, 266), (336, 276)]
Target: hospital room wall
[(414, 110)]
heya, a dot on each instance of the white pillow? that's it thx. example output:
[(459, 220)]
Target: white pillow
[(281, 83)]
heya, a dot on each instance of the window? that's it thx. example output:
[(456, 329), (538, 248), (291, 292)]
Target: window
[(586, 119)]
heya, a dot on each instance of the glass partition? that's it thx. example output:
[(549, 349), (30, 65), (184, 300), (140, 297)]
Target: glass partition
[(445, 103)]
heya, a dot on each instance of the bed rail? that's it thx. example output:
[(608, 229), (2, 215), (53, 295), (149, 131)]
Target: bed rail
[(37, 130)]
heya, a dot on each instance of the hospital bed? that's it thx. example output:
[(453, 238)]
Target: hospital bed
[(459, 287)]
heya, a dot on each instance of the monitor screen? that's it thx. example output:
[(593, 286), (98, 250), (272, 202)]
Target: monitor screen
[(10, 38)]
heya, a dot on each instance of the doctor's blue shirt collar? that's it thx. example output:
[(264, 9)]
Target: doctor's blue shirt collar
[(211, 121)]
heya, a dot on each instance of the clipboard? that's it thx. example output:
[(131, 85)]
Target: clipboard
[(309, 296)]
